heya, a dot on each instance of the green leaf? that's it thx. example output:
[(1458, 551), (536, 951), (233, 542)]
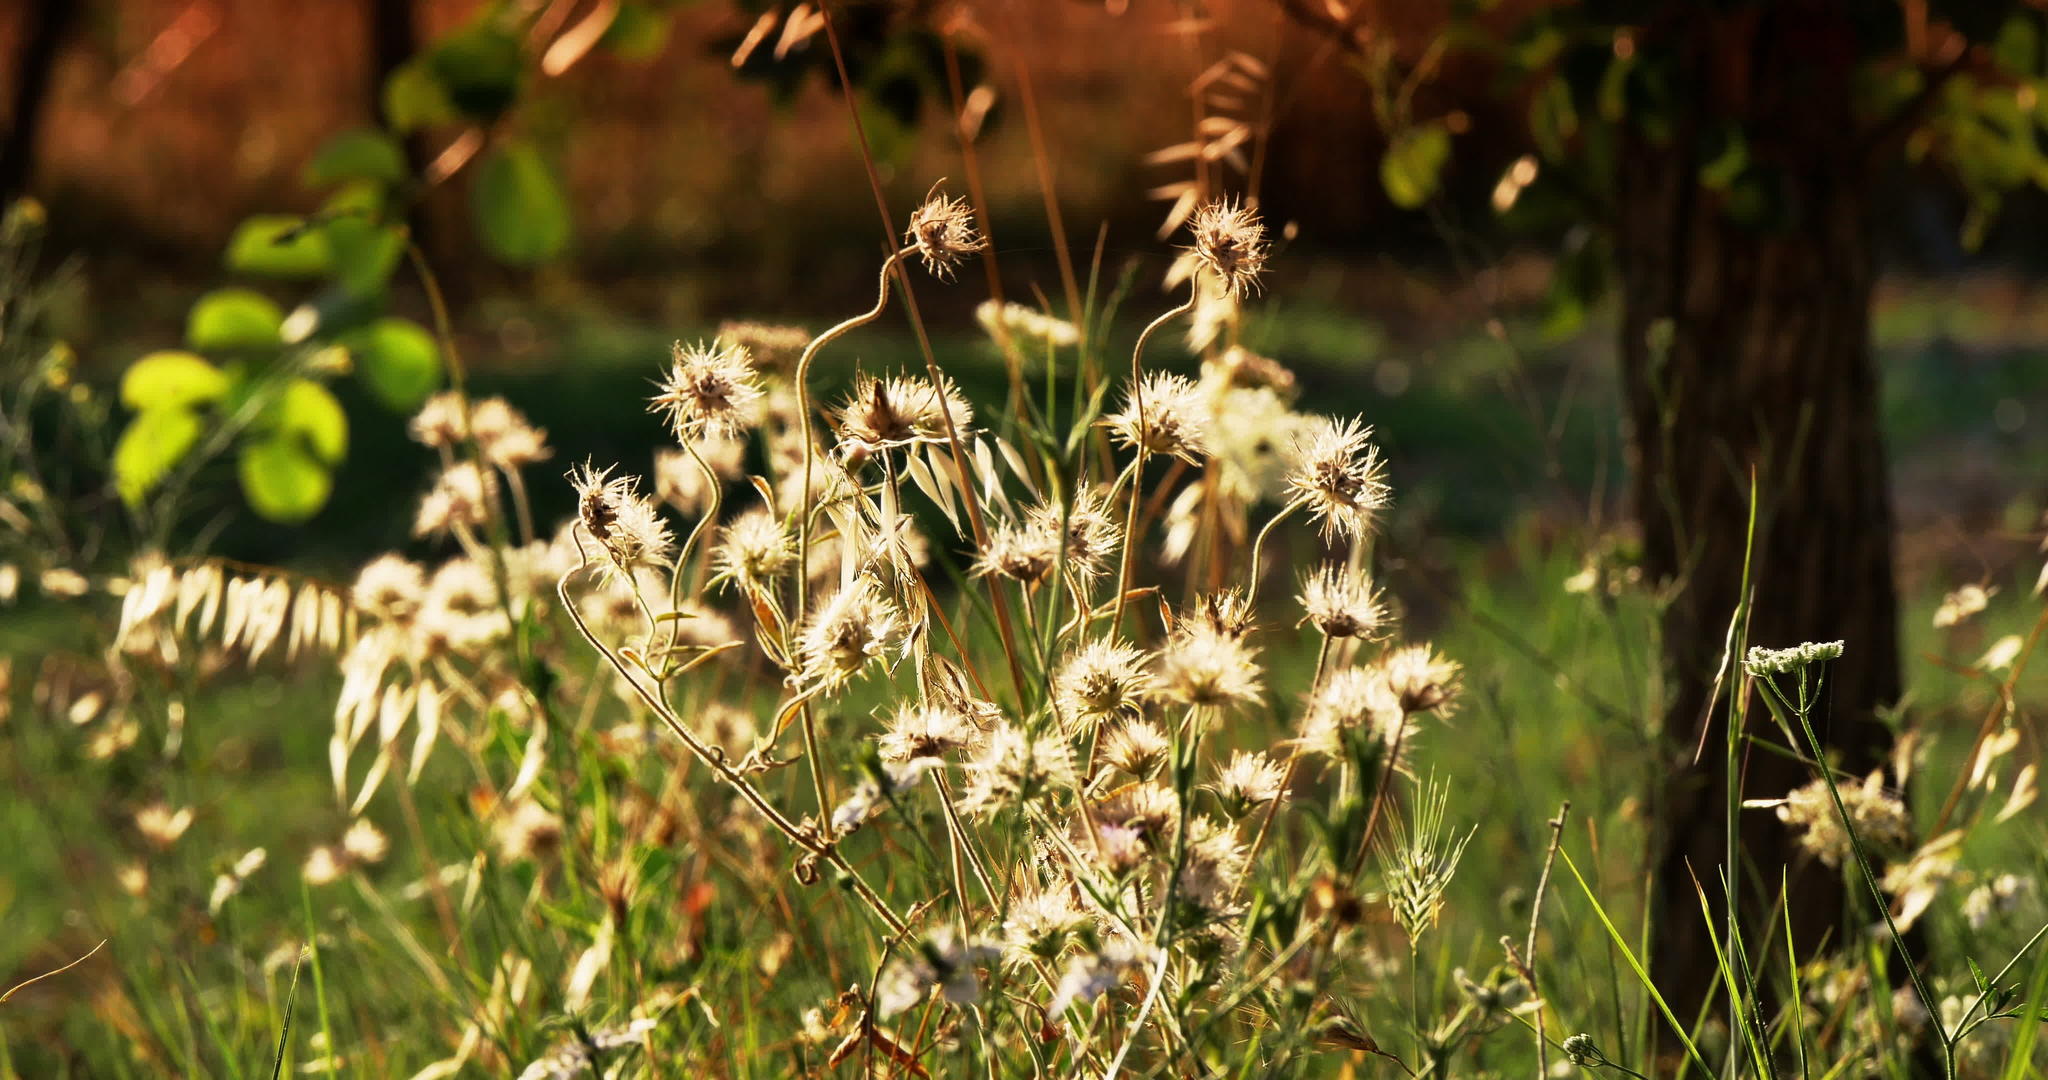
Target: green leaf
[(480, 69), (1413, 163), (150, 447), (277, 245), (1977, 973), (399, 361), (308, 415), (520, 213), (365, 253), (364, 154), (281, 481), (637, 32), (171, 379), (229, 319), (414, 99)]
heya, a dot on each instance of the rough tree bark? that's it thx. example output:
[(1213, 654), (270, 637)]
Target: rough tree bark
[(1747, 347)]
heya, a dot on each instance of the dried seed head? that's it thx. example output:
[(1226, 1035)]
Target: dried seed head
[(1015, 768), (1355, 698), (1165, 414), (1138, 748), (680, 482), (928, 731), (526, 830), (855, 626), (505, 437), (1092, 535), (942, 231), (1148, 810), (1342, 603), (1019, 552), (710, 390), (1231, 244), (390, 588), (1026, 327), (1038, 924), (1338, 476), (756, 550), (774, 348), (1421, 680), (619, 518), (439, 422), (1102, 679), (1200, 666), (1250, 780), (1881, 819), (900, 410), (162, 826), (365, 843), (463, 496), (1222, 612)]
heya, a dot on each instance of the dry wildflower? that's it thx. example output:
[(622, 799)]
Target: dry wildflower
[(228, 885), (162, 826), (1241, 367), (1138, 748), (1250, 780), (1102, 679), (389, 587), (1879, 817), (1764, 663), (504, 436), (1342, 603), (463, 497), (1251, 433), (323, 865), (526, 830), (1024, 325), (728, 727), (2002, 895), (1164, 414), (117, 735), (1147, 811), (755, 550), (1022, 553), (1092, 534), (942, 232), (1090, 975), (1039, 924), (1337, 475), (898, 411), (927, 731), (942, 961), (773, 348), (133, 878), (708, 391), (1230, 243), (439, 423), (582, 1054), (1420, 679), (871, 795), (1014, 768), (1200, 666), (1915, 882), (1222, 612), (1213, 868), (365, 843), (857, 625), (1959, 606), (63, 582), (680, 482), (619, 518), (1352, 699)]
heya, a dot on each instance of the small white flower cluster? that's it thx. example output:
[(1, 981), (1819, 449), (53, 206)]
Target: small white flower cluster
[(1763, 662)]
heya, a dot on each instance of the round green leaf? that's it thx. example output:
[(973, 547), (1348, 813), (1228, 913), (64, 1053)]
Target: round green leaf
[(479, 68), (150, 447), (307, 414), (229, 319), (399, 361), (172, 379), (1411, 166), (521, 215), (277, 245), (365, 253), (357, 155), (414, 98), (281, 481)]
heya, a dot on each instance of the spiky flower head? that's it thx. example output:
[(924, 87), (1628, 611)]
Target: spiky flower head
[(1764, 663), (1342, 603), (1039, 923), (619, 518), (1230, 242), (899, 410), (1351, 699), (928, 731), (942, 961), (708, 390), (682, 483), (857, 625), (1016, 767), (505, 437), (1421, 679), (1102, 679), (463, 497), (1024, 553), (1250, 780), (773, 348), (1148, 810), (1338, 475), (1200, 666), (1165, 414), (1138, 748), (1092, 535), (440, 422), (943, 234), (389, 587), (755, 551), (1880, 817)]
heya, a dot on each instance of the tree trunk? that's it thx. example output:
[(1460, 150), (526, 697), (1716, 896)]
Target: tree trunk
[(1747, 348), (41, 38)]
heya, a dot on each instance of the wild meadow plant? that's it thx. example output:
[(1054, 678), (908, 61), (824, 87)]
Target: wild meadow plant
[(741, 770)]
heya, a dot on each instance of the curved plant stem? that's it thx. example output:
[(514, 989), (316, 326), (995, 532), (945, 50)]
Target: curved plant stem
[(1123, 572)]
